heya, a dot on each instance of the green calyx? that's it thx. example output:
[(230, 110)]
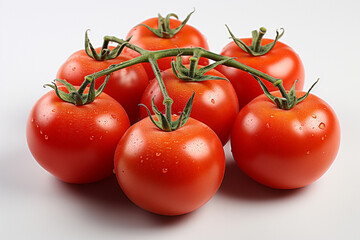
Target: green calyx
[(105, 53), (166, 124), (192, 74), (78, 97), (256, 49), (164, 30), (288, 100)]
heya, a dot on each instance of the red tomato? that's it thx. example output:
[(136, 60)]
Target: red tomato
[(125, 86), (169, 173), (281, 62), (285, 149), (188, 36), (76, 143), (215, 102)]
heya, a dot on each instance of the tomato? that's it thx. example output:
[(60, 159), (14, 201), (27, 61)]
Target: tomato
[(125, 86), (187, 37), (215, 102), (285, 149), (76, 143), (280, 62), (169, 173)]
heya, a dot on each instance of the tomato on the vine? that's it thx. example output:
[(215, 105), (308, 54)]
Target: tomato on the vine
[(285, 149), (169, 173), (215, 102), (76, 143), (279, 61), (166, 36), (125, 85)]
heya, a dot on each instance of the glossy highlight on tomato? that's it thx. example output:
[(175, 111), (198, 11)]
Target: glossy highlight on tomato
[(169, 173), (125, 86), (187, 37), (280, 62), (285, 149), (76, 143), (215, 102)]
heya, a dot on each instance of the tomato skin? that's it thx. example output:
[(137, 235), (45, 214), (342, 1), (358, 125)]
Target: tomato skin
[(188, 36), (169, 173), (76, 143), (215, 102), (125, 86), (285, 149), (281, 62)]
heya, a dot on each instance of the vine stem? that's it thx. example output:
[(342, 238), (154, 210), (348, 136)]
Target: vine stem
[(167, 100), (145, 55), (153, 56)]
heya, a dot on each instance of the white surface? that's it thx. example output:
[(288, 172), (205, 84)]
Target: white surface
[(37, 36)]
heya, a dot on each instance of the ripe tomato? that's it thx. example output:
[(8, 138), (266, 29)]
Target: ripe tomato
[(125, 86), (285, 149), (169, 173), (76, 143), (215, 102), (188, 36), (280, 62)]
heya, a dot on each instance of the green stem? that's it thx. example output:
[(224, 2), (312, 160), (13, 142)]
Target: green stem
[(184, 51), (259, 38), (193, 66), (167, 100)]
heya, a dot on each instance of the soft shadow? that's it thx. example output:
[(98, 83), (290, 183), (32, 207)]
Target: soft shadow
[(104, 201), (237, 184)]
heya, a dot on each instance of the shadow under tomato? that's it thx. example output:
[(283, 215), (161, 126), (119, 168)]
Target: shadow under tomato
[(104, 201), (237, 184)]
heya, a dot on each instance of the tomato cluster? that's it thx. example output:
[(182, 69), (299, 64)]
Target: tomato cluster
[(172, 164)]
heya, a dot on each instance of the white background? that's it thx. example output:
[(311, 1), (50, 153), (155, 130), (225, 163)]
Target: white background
[(37, 36)]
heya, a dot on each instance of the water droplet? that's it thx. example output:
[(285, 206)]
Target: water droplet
[(106, 131), (312, 134), (141, 161), (212, 101), (271, 116), (164, 170), (32, 120), (100, 137), (157, 154), (46, 137), (308, 152), (74, 68), (37, 125), (268, 125), (322, 125), (177, 162), (313, 116), (113, 116), (41, 132), (322, 138), (91, 138), (53, 110)]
